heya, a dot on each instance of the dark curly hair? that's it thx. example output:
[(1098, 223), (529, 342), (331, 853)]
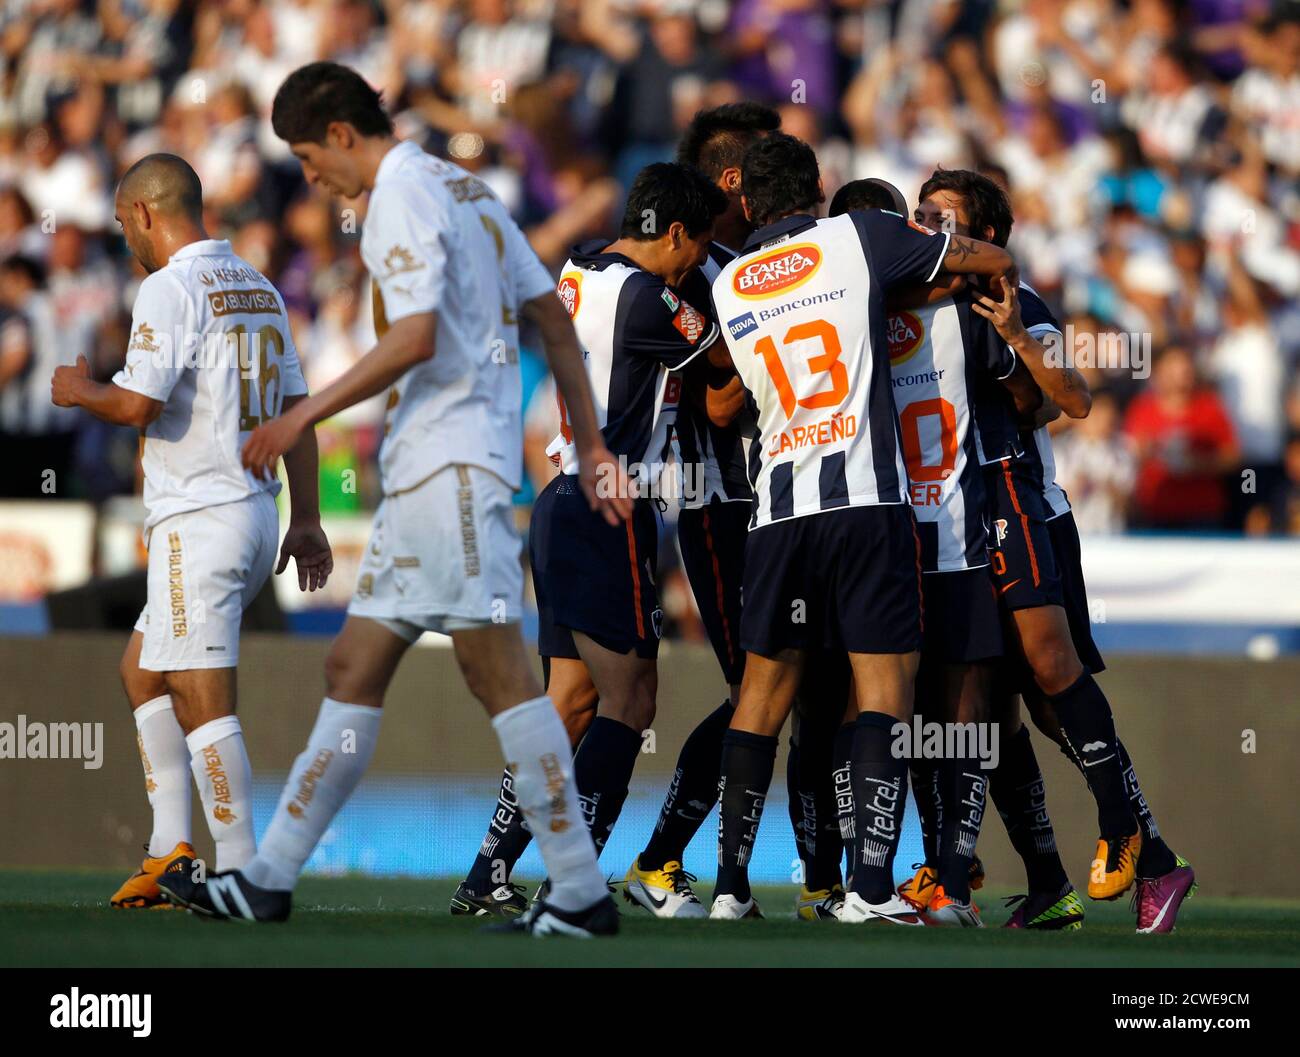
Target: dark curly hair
[(780, 176), (986, 202)]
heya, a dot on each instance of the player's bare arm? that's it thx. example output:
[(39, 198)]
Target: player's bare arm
[(73, 387), (724, 392), (305, 540), (1029, 399), (967, 256), (407, 342), (918, 295), (564, 356), (1067, 388)]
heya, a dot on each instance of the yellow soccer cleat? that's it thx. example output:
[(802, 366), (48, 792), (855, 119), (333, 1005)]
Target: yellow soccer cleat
[(665, 892), (140, 891), (1115, 867), (918, 890), (825, 904)]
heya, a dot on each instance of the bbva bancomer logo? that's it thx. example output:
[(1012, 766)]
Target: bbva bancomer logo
[(778, 271)]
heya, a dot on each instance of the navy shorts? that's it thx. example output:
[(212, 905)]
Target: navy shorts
[(962, 621), (1024, 567), (592, 577), (847, 579), (712, 542), (1065, 547)]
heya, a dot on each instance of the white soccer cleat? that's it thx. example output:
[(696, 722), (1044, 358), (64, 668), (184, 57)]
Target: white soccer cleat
[(729, 908), (666, 892), (893, 911)]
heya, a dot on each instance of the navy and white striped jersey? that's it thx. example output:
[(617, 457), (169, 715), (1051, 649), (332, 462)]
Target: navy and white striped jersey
[(1037, 443), (636, 333), (714, 458), (940, 356), (804, 312)]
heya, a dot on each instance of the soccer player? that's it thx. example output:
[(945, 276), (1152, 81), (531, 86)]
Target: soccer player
[(832, 554), (711, 527), (210, 357), (1036, 562), (636, 305), (452, 277)]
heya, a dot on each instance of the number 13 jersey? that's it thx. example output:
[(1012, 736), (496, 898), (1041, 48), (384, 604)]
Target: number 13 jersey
[(803, 314)]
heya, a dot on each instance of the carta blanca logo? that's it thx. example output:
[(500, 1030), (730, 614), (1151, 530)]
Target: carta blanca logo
[(742, 325), (75, 1010)]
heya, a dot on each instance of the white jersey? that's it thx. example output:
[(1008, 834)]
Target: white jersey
[(941, 357), (437, 240), (804, 318), (210, 340)]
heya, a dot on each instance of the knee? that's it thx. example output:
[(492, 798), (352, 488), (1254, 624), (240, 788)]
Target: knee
[(1054, 664), (345, 679)]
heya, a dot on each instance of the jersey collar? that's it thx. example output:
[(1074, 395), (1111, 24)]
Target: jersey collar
[(785, 226), (392, 161), (590, 255), (203, 248)]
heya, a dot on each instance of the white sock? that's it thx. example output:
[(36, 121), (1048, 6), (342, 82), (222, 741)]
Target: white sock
[(537, 750), (166, 760), (225, 780), (322, 778)]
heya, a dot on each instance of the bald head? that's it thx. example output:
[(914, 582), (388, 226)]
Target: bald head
[(160, 207), (164, 183)]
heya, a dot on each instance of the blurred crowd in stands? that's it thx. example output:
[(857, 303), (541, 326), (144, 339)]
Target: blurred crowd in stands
[(1151, 149)]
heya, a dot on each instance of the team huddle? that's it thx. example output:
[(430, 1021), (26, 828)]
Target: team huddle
[(872, 529)]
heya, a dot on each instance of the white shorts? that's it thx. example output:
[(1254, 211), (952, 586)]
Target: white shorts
[(443, 556), (205, 567)]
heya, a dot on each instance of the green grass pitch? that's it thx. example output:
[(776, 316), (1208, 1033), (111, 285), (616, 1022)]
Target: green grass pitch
[(61, 919)]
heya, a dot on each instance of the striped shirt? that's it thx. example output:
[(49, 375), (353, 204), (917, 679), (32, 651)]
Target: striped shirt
[(941, 356), (636, 334), (805, 319), (715, 457), (1037, 443)]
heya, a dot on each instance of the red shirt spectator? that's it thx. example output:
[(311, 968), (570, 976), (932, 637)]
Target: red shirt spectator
[(1185, 445)]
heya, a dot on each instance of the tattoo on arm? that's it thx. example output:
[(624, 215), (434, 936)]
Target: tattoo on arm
[(961, 249)]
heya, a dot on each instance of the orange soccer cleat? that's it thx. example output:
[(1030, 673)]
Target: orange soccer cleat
[(140, 890)]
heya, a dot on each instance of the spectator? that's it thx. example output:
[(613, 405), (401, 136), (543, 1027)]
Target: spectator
[(1185, 448)]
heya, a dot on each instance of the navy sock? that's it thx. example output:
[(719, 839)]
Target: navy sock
[(842, 779), (879, 795), (506, 838), (929, 806), (602, 771), (1020, 796), (1156, 857), (964, 789), (693, 792), (747, 764), (1089, 731), (809, 776)]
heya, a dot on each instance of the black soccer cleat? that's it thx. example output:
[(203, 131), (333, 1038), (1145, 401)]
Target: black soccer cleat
[(504, 901), (542, 919), (227, 896)]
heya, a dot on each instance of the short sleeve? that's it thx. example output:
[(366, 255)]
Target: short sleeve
[(900, 251), (153, 363), (529, 275), (657, 324), (292, 381), (404, 246)]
